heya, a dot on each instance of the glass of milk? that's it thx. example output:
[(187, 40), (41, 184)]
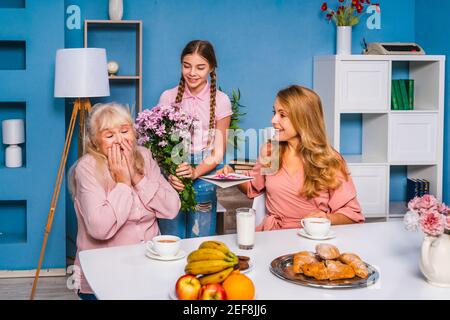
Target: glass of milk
[(245, 223)]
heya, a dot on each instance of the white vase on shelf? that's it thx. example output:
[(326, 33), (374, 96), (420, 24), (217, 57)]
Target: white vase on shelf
[(115, 10), (344, 40)]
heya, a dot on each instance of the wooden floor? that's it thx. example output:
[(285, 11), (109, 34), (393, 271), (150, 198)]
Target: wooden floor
[(55, 288), (49, 288)]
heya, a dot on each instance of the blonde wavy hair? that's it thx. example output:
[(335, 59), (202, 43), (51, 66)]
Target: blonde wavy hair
[(104, 116), (322, 164)]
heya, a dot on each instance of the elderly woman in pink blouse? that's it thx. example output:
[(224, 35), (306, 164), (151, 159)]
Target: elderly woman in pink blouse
[(117, 187), (310, 179)]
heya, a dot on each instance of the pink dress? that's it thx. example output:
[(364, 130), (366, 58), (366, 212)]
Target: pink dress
[(285, 208), (199, 107), (119, 215)]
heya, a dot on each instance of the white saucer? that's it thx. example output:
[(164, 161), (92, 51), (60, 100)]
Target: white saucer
[(153, 255), (331, 234)]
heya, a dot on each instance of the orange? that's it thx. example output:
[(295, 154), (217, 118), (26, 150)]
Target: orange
[(239, 287)]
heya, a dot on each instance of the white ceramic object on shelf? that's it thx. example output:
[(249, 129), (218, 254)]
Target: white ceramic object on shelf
[(435, 260), (344, 40), (13, 134), (116, 10), (113, 67)]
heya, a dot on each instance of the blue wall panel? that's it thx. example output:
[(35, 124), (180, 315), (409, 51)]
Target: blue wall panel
[(41, 26)]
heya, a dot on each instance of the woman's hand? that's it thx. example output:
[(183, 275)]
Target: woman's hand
[(127, 150), (225, 170), (186, 171), (176, 183), (118, 166)]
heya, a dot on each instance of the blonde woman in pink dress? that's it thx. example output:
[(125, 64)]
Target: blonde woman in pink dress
[(312, 179), (117, 187)]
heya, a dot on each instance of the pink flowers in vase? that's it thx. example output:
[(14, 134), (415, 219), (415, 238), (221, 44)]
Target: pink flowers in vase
[(428, 214)]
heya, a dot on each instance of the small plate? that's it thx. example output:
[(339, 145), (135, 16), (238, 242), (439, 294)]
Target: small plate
[(228, 177), (250, 268), (331, 234), (154, 255)]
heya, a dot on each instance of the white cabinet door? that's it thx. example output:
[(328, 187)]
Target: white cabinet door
[(413, 138), (364, 86), (371, 183)]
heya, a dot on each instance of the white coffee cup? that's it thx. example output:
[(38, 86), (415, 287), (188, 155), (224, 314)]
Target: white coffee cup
[(316, 227), (164, 245)]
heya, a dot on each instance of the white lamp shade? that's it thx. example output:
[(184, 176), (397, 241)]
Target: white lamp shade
[(81, 73), (13, 131)]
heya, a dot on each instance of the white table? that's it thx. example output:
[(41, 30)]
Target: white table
[(126, 273)]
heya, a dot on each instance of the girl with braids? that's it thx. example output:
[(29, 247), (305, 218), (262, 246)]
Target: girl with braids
[(117, 187), (212, 108), (312, 179)]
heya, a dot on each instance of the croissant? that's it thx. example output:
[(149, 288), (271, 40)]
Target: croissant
[(356, 263), (327, 251), (302, 258), (317, 270), (337, 270)]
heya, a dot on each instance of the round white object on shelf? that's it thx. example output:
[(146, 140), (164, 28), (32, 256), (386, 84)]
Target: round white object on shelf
[(113, 67)]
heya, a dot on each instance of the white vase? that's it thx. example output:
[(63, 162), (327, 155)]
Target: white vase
[(115, 9), (344, 40), (435, 260)]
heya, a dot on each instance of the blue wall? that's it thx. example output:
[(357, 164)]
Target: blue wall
[(432, 32), (25, 193)]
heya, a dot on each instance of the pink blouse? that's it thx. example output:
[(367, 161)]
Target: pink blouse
[(199, 107), (120, 215), (285, 208)]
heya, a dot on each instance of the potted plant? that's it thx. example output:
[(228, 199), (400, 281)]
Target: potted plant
[(345, 17)]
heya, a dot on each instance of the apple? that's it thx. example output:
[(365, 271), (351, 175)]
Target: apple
[(187, 287), (212, 291)]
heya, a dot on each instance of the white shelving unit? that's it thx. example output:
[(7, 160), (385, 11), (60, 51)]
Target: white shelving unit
[(361, 84)]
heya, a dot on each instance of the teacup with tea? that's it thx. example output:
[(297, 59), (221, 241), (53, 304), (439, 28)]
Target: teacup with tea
[(164, 245), (316, 227)]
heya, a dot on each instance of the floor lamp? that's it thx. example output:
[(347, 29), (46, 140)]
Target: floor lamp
[(80, 74)]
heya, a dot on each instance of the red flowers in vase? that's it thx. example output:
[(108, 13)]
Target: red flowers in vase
[(347, 13)]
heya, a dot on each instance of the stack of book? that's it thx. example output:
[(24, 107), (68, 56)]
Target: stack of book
[(402, 95), (416, 188), (240, 166)]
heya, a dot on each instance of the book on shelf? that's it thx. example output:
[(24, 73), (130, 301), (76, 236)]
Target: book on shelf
[(402, 94), (394, 95), (416, 188), (410, 89)]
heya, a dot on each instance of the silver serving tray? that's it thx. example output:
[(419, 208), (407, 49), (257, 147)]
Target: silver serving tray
[(282, 268)]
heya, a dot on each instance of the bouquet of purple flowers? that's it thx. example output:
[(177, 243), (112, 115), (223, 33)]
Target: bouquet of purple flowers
[(166, 131)]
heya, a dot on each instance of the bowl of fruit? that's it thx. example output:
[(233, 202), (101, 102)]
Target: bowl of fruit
[(213, 272)]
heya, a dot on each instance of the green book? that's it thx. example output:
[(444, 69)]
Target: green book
[(410, 89), (394, 96), (404, 95)]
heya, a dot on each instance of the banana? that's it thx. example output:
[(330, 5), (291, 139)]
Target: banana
[(215, 245), (233, 256), (208, 254), (217, 277), (208, 266)]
